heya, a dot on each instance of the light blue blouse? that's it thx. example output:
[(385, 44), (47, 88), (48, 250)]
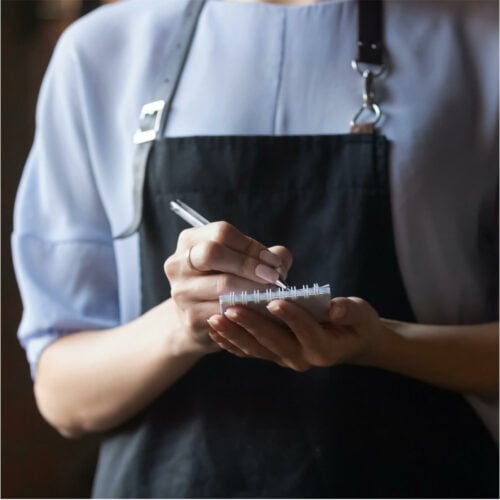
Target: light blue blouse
[(257, 68)]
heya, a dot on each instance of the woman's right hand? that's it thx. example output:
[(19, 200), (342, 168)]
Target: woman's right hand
[(214, 260)]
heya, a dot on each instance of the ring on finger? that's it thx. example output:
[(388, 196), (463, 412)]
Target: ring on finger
[(190, 263)]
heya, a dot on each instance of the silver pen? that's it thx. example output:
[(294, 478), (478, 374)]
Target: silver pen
[(196, 220)]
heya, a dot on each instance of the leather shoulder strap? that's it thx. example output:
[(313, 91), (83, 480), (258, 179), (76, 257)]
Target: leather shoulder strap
[(370, 32), (154, 114)]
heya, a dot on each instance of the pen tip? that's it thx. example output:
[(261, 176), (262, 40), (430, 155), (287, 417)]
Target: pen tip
[(282, 284)]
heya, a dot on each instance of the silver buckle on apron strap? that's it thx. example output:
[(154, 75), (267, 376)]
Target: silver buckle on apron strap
[(369, 103), (149, 122), (154, 114)]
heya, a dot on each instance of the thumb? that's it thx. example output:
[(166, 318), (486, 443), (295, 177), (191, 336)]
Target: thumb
[(351, 311), (286, 258)]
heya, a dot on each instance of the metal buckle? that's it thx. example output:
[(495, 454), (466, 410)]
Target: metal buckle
[(149, 122), (369, 103)]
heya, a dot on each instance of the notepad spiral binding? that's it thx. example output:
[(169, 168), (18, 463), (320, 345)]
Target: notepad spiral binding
[(315, 299)]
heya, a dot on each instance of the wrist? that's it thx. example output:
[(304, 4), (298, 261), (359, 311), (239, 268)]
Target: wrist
[(384, 345), (180, 341)]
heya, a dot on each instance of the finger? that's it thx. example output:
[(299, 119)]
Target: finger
[(351, 311), (209, 287), (305, 327), (285, 257), (239, 338), (222, 343), (268, 333), (210, 256), (224, 233)]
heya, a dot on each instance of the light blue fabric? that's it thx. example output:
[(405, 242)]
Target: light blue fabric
[(259, 68)]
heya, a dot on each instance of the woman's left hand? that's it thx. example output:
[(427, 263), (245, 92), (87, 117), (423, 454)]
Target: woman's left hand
[(461, 358), (351, 335)]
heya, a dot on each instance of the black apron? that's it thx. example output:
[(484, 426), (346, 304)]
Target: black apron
[(236, 427)]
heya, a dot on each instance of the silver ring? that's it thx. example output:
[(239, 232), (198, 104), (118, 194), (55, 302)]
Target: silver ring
[(190, 263)]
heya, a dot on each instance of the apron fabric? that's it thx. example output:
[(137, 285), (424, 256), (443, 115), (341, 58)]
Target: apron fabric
[(245, 428), (238, 427)]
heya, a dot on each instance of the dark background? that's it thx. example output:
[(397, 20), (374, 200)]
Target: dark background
[(36, 461)]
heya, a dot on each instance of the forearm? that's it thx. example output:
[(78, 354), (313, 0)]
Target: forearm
[(460, 358), (92, 381)]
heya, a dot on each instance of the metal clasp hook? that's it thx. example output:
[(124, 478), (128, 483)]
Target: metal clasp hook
[(369, 103)]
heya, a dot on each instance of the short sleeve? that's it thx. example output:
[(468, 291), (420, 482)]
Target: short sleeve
[(62, 245)]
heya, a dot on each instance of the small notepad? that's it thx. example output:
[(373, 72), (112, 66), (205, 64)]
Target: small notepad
[(315, 299)]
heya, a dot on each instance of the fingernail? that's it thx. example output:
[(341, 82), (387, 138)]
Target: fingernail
[(338, 311), (212, 323), (274, 306), (267, 273), (269, 258), (231, 314)]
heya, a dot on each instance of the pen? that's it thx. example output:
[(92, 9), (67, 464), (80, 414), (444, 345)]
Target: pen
[(196, 220)]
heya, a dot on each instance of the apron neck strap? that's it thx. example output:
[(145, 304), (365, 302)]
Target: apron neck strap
[(175, 64), (154, 114), (370, 53), (370, 32)]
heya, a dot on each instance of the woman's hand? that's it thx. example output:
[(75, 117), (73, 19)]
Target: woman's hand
[(300, 342), (95, 380), (462, 358), (213, 260)]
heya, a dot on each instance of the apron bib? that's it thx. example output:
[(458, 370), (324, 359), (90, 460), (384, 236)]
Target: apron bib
[(235, 427)]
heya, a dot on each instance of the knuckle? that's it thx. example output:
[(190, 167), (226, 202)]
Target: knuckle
[(184, 236), (364, 308), (358, 300), (224, 284), (204, 255), (360, 303), (286, 257), (191, 319), (210, 251), (248, 265), (180, 295), (221, 231), (253, 247), (170, 266)]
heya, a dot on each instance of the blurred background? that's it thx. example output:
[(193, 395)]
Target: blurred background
[(36, 461)]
